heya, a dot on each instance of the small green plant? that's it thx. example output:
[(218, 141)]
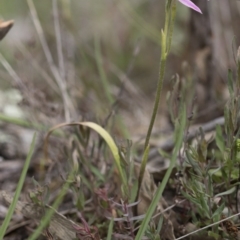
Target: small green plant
[(213, 177)]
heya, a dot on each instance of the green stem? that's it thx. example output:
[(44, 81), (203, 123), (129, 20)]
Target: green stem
[(165, 47), (103, 77), (156, 103), (238, 71), (166, 38), (173, 15), (5, 223)]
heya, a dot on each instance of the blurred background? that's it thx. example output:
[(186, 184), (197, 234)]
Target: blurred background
[(91, 60), (94, 60)]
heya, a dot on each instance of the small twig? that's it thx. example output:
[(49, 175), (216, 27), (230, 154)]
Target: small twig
[(168, 208), (208, 226), (18, 225), (157, 214), (169, 144)]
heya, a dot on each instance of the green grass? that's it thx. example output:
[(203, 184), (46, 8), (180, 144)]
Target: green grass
[(8, 217)]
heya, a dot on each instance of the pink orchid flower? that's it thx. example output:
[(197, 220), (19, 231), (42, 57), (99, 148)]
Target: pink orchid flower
[(190, 4)]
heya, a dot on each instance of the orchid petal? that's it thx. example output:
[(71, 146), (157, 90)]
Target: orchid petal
[(190, 4)]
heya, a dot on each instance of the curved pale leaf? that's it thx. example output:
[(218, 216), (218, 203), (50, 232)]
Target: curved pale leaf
[(103, 133)]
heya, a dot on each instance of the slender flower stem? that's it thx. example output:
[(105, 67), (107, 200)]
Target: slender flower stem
[(166, 37), (165, 47), (156, 103), (173, 15)]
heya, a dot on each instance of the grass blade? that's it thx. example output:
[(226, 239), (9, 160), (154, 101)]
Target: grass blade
[(105, 135), (18, 190), (152, 207), (110, 230)]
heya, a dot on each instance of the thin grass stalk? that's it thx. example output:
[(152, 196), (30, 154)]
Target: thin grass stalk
[(142, 170), (39, 69), (12, 73), (103, 77), (171, 27), (156, 103), (110, 230), (67, 103), (7, 219), (61, 65), (165, 46)]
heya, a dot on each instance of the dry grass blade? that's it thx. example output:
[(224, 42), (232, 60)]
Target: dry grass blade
[(12, 73), (105, 135), (39, 69), (5, 26), (67, 102), (58, 39), (59, 227)]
